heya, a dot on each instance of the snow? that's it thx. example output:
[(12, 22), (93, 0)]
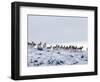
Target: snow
[(49, 57)]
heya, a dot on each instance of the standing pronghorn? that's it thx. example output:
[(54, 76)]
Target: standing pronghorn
[(33, 44), (39, 46)]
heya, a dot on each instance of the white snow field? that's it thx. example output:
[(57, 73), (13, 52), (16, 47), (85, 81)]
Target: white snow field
[(50, 57)]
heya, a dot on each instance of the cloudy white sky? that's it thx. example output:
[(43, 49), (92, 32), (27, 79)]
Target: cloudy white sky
[(57, 28)]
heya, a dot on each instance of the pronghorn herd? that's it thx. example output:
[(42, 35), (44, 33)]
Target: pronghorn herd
[(41, 46)]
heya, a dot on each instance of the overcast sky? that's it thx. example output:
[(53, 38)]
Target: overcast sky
[(57, 28)]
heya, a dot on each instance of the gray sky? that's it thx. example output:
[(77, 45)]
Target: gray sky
[(57, 28)]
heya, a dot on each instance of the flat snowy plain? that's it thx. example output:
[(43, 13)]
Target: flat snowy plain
[(50, 57)]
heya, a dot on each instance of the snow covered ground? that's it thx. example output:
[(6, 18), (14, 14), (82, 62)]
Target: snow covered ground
[(49, 57)]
